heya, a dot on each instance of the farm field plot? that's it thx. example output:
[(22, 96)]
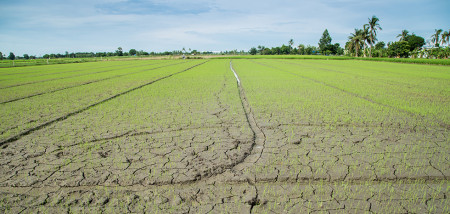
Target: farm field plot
[(240, 136)]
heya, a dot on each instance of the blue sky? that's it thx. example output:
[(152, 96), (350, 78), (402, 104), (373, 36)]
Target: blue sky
[(51, 26)]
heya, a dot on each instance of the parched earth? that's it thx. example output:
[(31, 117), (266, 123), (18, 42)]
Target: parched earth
[(198, 141)]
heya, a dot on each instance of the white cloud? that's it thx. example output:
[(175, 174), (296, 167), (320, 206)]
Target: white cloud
[(103, 25)]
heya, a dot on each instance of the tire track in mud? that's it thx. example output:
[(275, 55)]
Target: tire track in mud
[(86, 83), (47, 80), (64, 117), (442, 124), (259, 138)]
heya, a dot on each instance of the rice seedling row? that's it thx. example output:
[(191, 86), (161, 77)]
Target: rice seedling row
[(20, 116)]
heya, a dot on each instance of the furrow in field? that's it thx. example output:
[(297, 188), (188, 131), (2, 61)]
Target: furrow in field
[(27, 132), (51, 72), (415, 88), (386, 79), (72, 76), (411, 113), (332, 86), (43, 69), (56, 71), (259, 138), (86, 83)]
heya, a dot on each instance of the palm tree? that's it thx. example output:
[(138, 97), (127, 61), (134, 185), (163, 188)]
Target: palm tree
[(291, 43), (435, 37), (445, 37), (356, 40), (373, 27), (403, 35), (365, 37)]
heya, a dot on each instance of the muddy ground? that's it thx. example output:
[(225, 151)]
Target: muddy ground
[(214, 154)]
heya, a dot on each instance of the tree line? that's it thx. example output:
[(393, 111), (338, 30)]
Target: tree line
[(118, 52), (408, 45), (364, 43), (361, 43)]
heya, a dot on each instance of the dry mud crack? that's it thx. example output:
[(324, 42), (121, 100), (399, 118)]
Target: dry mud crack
[(201, 142)]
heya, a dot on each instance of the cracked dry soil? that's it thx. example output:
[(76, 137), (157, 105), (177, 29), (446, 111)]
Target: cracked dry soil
[(213, 154)]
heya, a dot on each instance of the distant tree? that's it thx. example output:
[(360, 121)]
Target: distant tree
[(403, 35), (414, 42), (301, 49), (285, 49), (11, 56), (119, 51), (379, 50), (365, 38), (337, 50), (291, 45), (435, 37), (125, 54), (252, 51), (261, 49), (276, 50), (266, 51), (1, 56), (26, 56), (324, 41), (132, 52), (373, 27), (445, 37), (356, 41), (398, 49), (46, 56), (380, 45), (310, 50)]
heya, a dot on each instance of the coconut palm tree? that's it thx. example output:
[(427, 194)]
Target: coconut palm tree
[(445, 37), (291, 43), (356, 40), (365, 37), (373, 27), (403, 35), (435, 37)]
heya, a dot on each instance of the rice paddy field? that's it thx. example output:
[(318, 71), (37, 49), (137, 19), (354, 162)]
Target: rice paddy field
[(225, 136)]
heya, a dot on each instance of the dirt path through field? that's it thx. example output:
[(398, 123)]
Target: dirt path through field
[(259, 138)]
